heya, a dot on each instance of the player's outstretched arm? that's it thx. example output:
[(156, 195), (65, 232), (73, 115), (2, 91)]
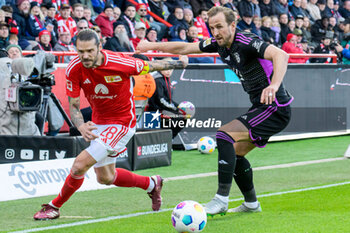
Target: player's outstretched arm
[(169, 47), (77, 118), (168, 65), (279, 60)]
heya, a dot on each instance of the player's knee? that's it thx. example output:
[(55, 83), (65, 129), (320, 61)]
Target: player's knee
[(105, 180)]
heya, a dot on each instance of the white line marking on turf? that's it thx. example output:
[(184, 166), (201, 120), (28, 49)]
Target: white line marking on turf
[(286, 165), (76, 217), (164, 210)]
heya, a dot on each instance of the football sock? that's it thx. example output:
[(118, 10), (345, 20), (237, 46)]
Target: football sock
[(252, 205), (125, 178), (244, 179), (71, 185), (222, 198), (226, 162)]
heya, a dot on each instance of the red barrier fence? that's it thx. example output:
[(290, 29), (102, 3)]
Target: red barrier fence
[(60, 55)]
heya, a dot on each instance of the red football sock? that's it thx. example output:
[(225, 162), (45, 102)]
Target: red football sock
[(125, 178), (71, 185)]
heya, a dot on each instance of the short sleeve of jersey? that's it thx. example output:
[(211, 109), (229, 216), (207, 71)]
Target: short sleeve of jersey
[(132, 66), (72, 81), (258, 47), (209, 45)]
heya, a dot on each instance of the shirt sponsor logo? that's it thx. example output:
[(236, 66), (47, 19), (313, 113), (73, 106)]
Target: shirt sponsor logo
[(112, 79), (101, 89)]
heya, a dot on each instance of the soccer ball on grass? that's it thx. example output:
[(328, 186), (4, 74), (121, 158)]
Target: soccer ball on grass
[(189, 216)]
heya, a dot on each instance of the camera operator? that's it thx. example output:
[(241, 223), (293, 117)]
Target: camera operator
[(344, 47), (327, 46), (11, 122)]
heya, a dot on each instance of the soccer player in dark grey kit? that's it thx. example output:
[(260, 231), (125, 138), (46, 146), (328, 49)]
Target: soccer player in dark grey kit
[(261, 68)]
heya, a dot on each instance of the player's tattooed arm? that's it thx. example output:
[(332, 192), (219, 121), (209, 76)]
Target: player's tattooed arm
[(168, 65), (74, 109)]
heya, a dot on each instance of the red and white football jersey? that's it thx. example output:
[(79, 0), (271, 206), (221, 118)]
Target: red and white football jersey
[(108, 88)]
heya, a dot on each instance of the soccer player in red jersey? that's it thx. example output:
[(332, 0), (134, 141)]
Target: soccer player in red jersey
[(105, 79)]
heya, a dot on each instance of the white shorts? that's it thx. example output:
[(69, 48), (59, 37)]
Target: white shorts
[(111, 142)]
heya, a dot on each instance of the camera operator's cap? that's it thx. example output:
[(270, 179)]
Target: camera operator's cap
[(139, 25), (14, 46), (65, 6), (297, 32)]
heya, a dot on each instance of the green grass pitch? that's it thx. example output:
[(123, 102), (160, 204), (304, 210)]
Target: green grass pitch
[(319, 210)]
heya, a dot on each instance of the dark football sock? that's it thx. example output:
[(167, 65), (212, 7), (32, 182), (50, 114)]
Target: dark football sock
[(226, 162), (244, 179)]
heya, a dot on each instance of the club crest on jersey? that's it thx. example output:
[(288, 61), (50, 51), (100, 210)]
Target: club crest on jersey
[(257, 45), (237, 57), (113, 79), (207, 42), (139, 66)]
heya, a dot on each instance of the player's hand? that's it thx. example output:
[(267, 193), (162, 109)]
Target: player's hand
[(184, 60), (86, 131), (268, 95)]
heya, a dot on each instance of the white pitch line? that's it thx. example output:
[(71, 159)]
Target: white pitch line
[(164, 210), (199, 176), (285, 165)]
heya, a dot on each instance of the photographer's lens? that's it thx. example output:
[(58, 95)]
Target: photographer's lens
[(30, 98)]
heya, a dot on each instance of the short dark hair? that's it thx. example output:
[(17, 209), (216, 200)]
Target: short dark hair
[(87, 35), (229, 14), (7, 8)]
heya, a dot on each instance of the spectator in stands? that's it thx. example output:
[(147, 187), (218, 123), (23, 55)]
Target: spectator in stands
[(192, 34), (181, 34), (296, 9), (44, 41), (143, 16), (188, 16), (159, 8), (306, 28), (13, 39), (267, 8), (299, 33), (201, 23), (78, 12), (35, 22), (14, 51), (257, 23), (116, 13), (129, 20), (120, 41), (140, 32), (64, 43), (229, 4), (275, 26), (329, 9), (20, 15), (281, 7), (43, 9), (105, 21), (303, 7), (8, 10), (81, 25), (299, 21), (66, 21), (323, 48), (344, 47), (87, 16), (245, 7), (51, 23), (345, 10), (314, 10), (322, 6), (151, 34), (177, 18), (266, 33), (247, 24), (4, 35), (98, 5), (337, 14), (290, 46), (256, 8), (97, 29), (291, 25), (283, 20), (319, 29)]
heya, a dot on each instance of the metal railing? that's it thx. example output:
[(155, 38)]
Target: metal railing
[(61, 55)]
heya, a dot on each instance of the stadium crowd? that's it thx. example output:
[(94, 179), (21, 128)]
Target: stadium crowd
[(296, 26)]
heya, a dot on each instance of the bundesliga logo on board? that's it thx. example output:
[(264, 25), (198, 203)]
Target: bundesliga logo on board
[(152, 120)]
